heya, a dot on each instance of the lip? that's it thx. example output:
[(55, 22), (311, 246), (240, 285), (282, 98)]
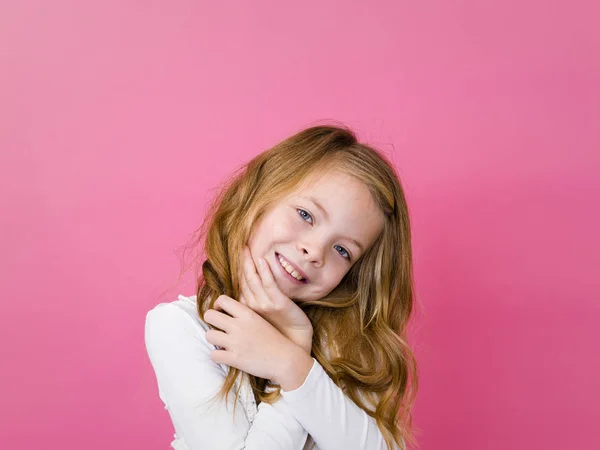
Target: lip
[(277, 255)]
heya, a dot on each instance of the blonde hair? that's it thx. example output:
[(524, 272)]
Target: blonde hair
[(360, 326)]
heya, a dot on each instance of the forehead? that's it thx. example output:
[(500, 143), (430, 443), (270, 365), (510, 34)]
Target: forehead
[(349, 205), (334, 186)]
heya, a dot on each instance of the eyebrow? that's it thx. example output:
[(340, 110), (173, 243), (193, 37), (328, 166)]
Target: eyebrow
[(318, 205)]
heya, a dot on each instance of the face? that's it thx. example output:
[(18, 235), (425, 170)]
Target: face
[(321, 245)]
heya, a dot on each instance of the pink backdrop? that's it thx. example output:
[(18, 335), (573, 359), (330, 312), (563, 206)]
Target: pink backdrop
[(119, 118)]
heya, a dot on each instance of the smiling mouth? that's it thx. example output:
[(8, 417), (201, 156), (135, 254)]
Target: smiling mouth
[(286, 267)]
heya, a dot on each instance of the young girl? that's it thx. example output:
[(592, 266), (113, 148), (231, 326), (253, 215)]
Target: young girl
[(301, 308)]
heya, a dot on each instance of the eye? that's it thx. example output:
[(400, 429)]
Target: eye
[(345, 251), (304, 214)]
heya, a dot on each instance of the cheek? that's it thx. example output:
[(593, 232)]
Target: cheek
[(340, 277), (285, 228), (274, 228), (335, 277)]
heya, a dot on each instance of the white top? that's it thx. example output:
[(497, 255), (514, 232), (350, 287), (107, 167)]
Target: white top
[(187, 378)]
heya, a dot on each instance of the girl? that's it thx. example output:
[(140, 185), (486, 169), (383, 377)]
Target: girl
[(301, 307)]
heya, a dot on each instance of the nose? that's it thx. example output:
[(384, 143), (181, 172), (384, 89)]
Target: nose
[(313, 252)]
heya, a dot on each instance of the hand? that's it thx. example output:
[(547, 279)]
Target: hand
[(260, 292), (253, 345)]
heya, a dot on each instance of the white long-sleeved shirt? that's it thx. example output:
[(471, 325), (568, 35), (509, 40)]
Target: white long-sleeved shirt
[(188, 379)]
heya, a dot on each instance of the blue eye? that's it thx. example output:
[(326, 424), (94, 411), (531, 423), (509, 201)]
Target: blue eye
[(344, 250), (304, 214)]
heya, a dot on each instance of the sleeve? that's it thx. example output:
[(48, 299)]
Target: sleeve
[(332, 419), (187, 381)]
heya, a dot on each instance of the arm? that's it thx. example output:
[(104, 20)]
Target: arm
[(332, 419), (188, 379)]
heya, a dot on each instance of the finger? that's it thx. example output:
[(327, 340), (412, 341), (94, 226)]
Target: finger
[(244, 286), (218, 319), (217, 338), (240, 272), (246, 293), (253, 280), (231, 306), (266, 276)]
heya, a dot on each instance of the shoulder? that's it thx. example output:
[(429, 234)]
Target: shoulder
[(176, 325), (175, 334), (182, 312)]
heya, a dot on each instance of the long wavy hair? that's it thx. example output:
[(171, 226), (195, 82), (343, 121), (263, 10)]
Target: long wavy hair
[(360, 327)]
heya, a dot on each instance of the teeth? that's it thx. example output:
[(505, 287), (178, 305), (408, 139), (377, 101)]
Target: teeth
[(289, 269)]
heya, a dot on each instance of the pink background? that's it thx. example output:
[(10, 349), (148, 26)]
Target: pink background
[(118, 119)]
